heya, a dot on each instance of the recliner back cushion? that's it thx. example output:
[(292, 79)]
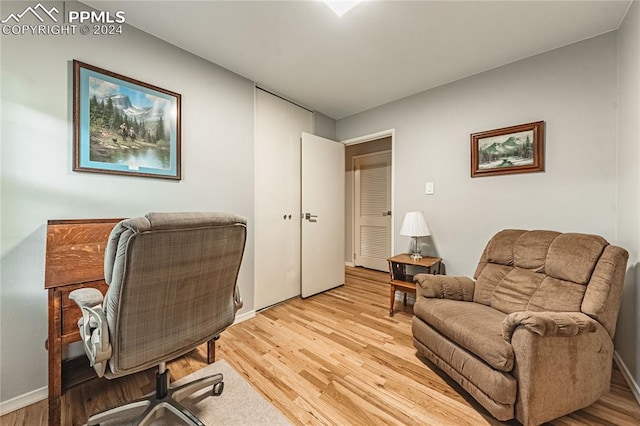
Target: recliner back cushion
[(573, 257), (531, 248), (488, 280), (536, 270), (496, 262), (515, 290), (557, 295), (500, 247)]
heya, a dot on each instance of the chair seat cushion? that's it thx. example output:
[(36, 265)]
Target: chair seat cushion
[(474, 326)]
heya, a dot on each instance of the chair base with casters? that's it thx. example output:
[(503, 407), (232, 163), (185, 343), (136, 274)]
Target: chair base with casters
[(147, 409)]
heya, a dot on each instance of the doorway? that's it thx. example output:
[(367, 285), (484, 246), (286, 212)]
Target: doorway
[(372, 210), (369, 201)]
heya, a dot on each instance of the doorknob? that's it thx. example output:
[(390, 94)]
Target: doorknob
[(310, 217), (387, 213)]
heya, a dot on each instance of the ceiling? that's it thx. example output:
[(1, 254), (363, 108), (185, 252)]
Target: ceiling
[(378, 52)]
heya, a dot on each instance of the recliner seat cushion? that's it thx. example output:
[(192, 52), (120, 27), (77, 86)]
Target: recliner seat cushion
[(498, 386), (475, 327)]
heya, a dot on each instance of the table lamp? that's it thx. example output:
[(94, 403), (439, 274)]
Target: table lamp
[(415, 226)]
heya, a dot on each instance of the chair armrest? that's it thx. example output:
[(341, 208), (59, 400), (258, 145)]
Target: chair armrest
[(444, 287), (544, 324), (94, 329), (86, 297), (237, 299)]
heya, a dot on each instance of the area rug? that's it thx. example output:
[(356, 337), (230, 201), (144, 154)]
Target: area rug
[(239, 404)]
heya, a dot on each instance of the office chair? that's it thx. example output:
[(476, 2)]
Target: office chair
[(172, 286)]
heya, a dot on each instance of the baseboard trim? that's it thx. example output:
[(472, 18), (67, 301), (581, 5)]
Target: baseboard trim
[(349, 264), (245, 316), (22, 401), (633, 385)]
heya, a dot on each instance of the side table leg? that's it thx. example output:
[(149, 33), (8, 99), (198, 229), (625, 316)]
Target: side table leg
[(392, 298)]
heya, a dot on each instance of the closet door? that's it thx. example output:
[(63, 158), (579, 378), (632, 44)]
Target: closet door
[(279, 125)]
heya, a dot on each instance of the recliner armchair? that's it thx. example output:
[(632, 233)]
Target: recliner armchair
[(532, 336), (172, 286)]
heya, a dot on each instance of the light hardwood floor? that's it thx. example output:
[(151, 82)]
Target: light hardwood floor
[(333, 359)]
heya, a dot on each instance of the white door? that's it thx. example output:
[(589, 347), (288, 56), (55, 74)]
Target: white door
[(323, 210), (372, 210)]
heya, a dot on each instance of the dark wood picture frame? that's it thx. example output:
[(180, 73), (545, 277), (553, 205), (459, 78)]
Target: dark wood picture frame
[(124, 126), (509, 150)]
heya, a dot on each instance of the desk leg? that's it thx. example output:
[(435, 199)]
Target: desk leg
[(392, 299), (211, 350), (54, 345)]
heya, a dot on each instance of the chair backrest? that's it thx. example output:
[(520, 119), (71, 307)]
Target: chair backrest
[(172, 279), (550, 271)]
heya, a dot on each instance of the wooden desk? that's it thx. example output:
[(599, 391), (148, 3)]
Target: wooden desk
[(74, 259), (401, 281)]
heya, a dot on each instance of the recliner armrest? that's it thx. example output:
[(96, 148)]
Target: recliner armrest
[(548, 323), (444, 287)]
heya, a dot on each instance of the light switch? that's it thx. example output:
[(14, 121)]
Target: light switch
[(428, 188)]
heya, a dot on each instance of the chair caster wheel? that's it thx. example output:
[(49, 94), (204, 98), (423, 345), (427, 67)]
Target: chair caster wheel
[(218, 388)]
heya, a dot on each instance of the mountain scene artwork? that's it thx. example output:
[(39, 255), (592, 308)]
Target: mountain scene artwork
[(124, 126), (127, 126), (515, 149)]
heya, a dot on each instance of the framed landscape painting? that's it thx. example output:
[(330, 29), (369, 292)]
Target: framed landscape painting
[(124, 126), (515, 149)]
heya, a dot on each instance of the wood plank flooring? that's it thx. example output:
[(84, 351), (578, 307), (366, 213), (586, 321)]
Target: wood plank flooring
[(336, 358)]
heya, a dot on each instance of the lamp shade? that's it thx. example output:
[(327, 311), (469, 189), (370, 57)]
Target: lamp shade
[(414, 225)]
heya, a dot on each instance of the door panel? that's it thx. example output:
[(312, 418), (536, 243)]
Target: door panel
[(323, 200), (373, 210), (298, 120), (277, 198)]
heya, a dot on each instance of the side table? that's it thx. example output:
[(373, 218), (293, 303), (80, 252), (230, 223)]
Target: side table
[(401, 281)]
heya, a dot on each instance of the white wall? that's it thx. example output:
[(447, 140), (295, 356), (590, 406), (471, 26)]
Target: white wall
[(38, 184), (627, 340), (573, 89), (324, 126)]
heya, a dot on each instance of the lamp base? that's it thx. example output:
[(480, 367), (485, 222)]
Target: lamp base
[(415, 249)]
